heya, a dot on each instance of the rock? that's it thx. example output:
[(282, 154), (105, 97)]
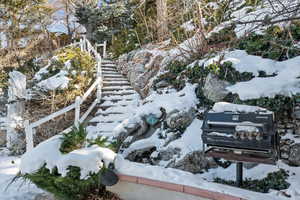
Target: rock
[(2, 138), (180, 120), (141, 155), (294, 156), (195, 162), (214, 88), (44, 196), (132, 130), (162, 84), (296, 114), (17, 83), (168, 154)]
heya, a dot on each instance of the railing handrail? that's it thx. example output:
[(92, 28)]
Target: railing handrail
[(85, 45)]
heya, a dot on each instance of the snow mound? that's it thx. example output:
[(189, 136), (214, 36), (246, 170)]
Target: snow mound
[(224, 106), (89, 160)]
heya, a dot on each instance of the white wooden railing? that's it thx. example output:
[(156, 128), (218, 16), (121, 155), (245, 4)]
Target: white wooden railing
[(84, 45)]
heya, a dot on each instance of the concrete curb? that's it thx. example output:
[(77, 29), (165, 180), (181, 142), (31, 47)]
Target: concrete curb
[(178, 188)]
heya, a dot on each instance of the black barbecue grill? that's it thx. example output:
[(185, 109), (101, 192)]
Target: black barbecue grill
[(241, 136)]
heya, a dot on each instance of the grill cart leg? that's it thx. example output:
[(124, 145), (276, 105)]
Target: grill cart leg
[(239, 174)]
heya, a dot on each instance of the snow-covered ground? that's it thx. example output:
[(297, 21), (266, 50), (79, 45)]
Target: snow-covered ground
[(9, 167)]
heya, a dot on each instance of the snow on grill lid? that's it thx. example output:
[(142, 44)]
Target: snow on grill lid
[(229, 107)]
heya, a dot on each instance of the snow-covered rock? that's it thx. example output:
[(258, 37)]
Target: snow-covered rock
[(214, 88)]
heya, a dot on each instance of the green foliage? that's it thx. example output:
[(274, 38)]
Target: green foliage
[(81, 61), (105, 21), (276, 43), (29, 67), (103, 142), (3, 79), (73, 140), (70, 187), (124, 42), (281, 105), (226, 71), (226, 35), (275, 181)]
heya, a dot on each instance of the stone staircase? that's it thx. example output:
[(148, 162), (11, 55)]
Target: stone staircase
[(119, 102)]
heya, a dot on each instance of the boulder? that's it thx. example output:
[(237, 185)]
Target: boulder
[(294, 156), (214, 88), (44, 196), (168, 154), (194, 162), (180, 120)]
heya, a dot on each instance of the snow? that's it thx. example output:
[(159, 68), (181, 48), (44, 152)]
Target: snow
[(224, 106), (58, 81), (182, 100), (285, 82), (89, 159), (19, 190), (202, 181), (220, 134), (188, 26), (190, 141)]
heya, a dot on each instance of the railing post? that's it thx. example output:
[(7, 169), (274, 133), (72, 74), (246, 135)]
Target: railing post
[(81, 44), (29, 136), (77, 111), (104, 49), (99, 74)]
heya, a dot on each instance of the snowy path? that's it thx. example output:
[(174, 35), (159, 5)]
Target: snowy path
[(9, 167)]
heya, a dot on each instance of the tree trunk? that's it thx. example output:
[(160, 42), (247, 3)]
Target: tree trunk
[(162, 19)]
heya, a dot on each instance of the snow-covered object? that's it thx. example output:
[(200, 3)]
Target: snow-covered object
[(89, 160), (183, 100), (285, 83), (243, 62), (224, 106), (241, 16), (58, 81), (17, 86)]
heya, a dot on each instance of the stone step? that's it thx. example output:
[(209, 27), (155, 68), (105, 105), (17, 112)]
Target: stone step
[(115, 98), (114, 79), (118, 93), (108, 64), (125, 83), (112, 76), (116, 89), (111, 117), (110, 72)]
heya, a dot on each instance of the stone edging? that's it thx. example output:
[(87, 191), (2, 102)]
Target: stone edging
[(179, 188)]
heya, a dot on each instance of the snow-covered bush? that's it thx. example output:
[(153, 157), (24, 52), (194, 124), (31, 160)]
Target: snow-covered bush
[(69, 73), (67, 166)]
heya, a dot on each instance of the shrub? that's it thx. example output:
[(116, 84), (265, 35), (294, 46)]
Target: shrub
[(275, 181), (70, 187), (73, 140), (276, 43), (281, 105), (3, 79)]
